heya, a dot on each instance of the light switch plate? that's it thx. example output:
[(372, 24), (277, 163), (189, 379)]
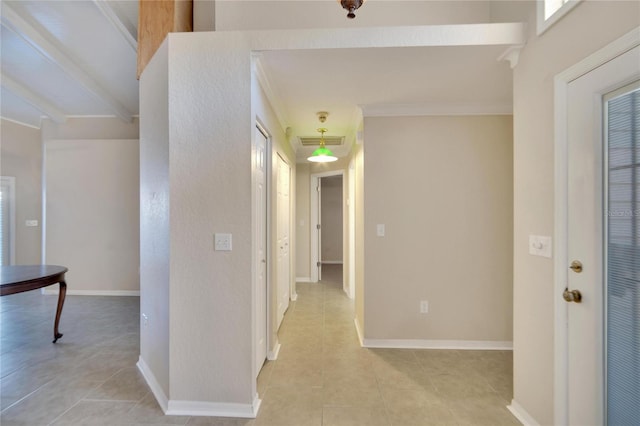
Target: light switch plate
[(540, 245), (31, 222), (380, 230), (222, 242)]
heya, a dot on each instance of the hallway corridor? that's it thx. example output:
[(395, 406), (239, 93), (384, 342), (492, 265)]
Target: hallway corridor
[(323, 377)]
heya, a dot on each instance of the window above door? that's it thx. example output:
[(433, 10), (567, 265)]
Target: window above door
[(551, 11)]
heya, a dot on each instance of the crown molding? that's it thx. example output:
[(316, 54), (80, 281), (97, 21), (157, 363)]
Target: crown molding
[(399, 110), (272, 98), (21, 123), (511, 54)]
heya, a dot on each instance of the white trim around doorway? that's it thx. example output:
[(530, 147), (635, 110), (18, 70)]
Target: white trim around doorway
[(561, 100), (10, 182), (313, 216)]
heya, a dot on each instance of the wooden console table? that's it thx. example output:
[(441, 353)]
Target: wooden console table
[(18, 278)]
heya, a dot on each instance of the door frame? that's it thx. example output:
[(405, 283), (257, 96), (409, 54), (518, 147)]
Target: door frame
[(349, 285), (314, 217), (561, 190), (10, 181)]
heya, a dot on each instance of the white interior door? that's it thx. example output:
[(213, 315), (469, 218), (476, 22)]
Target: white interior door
[(586, 226), (261, 247), (283, 271)]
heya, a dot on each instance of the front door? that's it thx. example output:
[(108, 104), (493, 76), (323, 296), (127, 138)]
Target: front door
[(602, 273)]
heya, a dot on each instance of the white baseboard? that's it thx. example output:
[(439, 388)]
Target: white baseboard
[(214, 409), (294, 296), (360, 338), (93, 292), (155, 387), (196, 408), (273, 355), (303, 279), (521, 414), (437, 344), (332, 262)]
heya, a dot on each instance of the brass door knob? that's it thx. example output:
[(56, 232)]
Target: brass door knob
[(576, 266), (572, 295)]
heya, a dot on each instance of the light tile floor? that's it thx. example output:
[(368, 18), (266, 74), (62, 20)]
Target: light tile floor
[(322, 375)]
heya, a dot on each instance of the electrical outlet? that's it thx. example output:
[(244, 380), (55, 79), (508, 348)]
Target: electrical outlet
[(222, 242), (424, 307), (145, 321)]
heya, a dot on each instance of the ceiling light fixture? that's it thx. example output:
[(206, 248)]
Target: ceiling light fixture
[(351, 6), (322, 154)]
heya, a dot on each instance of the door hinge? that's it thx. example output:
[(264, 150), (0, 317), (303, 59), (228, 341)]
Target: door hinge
[(318, 226), (318, 264)]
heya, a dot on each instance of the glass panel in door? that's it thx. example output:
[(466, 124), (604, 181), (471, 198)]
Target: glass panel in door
[(623, 258)]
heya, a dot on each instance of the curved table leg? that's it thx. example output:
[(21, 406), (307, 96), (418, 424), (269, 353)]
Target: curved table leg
[(61, 296)]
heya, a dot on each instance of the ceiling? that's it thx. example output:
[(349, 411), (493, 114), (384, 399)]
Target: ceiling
[(64, 59), (384, 81), (68, 58)]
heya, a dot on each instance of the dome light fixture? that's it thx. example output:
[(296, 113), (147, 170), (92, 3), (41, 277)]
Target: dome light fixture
[(322, 154), (351, 6)]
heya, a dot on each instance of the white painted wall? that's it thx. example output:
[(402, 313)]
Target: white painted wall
[(444, 193), (155, 229), (196, 181), (260, 14), (21, 157), (92, 213), (91, 192), (587, 28), (203, 166), (105, 128)]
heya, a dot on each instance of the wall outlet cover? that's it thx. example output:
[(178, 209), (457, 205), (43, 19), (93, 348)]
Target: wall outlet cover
[(222, 242)]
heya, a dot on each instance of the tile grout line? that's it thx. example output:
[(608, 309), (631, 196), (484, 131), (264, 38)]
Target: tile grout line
[(26, 396)]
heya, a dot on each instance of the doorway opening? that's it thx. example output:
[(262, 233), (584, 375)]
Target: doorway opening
[(329, 229), (7, 219)]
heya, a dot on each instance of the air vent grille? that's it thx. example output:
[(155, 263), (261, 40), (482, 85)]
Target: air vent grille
[(315, 140)]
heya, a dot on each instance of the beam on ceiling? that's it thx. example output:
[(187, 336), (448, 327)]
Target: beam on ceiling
[(35, 100), (49, 49), (156, 19), (119, 22)]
